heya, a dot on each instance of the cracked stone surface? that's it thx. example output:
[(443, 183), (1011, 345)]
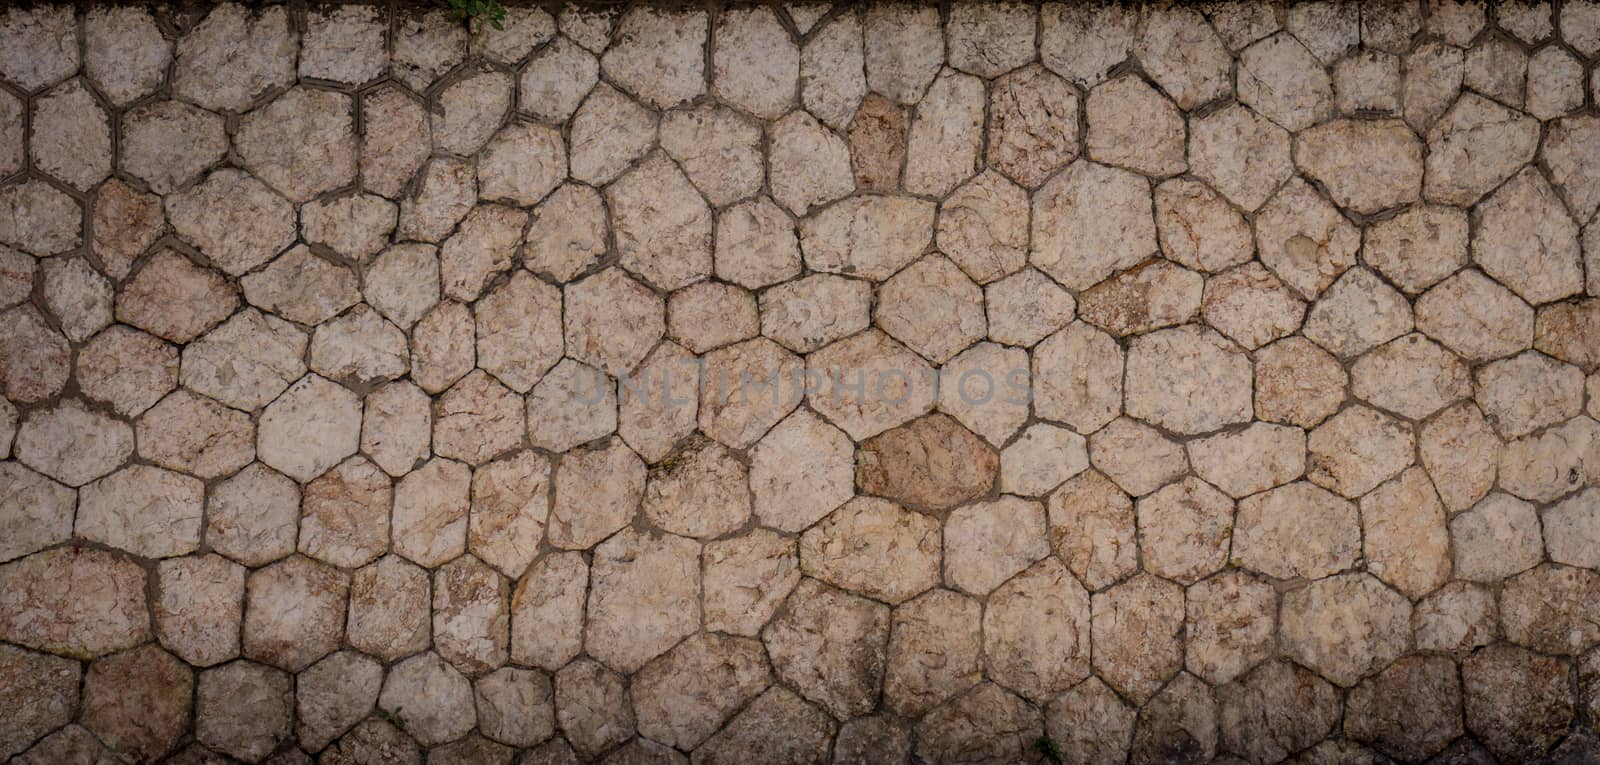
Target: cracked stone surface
[(608, 387)]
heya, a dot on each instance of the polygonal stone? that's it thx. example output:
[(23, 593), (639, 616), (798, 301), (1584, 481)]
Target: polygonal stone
[(1475, 147), (1132, 125), (426, 45), (1418, 247), (196, 435), (1136, 456), (1090, 723), (477, 420), (1517, 702), (932, 307), (126, 222), (556, 79), (663, 228), (1498, 69), (1547, 609), (243, 709), (471, 623), (516, 706), (1527, 21), (1497, 538), (830, 646), (684, 696), (813, 311), (1187, 380), (1084, 42), (302, 287), (1555, 83), (871, 236), (1304, 240), (430, 512), (745, 390), (302, 144), (1573, 526), (13, 141), (1411, 376), (1026, 307), (124, 53), (1229, 627), (609, 132), (247, 361), (567, 234), (746, 579), (848, 548), (990, 40), (1079, 377), (467, 111), (547, 611), (522, 163), (833, 71), (310, 428), (1280, 78), (518, 329), (1367, 82), (1251, 306), (72, 444), (1345, 626), (971, 390), (1184, 530), (395, 142), (74, 601), (509, 509), (174, 299), (1358, 449), (1459, 451), (934, 653), (1036, 632), (1526, 241), (1241, 154), (1041, 459), (1571, 169), (573, 404), (1474, 316), (904, 51), (1298, 530), (375, 740), (1385, 172), (659, 55), (931, 462), (612, 321), (77, 295), (983, 227), (878, 143), (755, 64), (1198, 228), (1527, 392), (756, 245), (1459, 616), (389, 609), (810, 165), (35, 512), (1404, 538), (138, 702), (444, 194), (597, 492), (779, 724), (1433, 80), (800, 471), (435, 700), (864, 738), (1274, 710), (344, 44), (36, 360), (653, 417), (233, 56), (295, 613), (1181, 52), (150, 512), (592, 707), (1544, 467), (1150, 296), (1092, 529), (1137, 630), (703, 493), (72, 136), (39, 219), (346, 514), (335, 694), (986, 543), (481, 248), (1090, 222), (355, 227), (946, 135), (253, 515), (41, 695), (1570, 332), (359, 348), (986, 724), (1033, 125), (644, 597)]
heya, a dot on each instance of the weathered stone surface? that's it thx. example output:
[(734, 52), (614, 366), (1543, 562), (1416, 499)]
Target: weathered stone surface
[(243, 709), (1092, 529), (643, 598), (313, 426), (1544, 467), (518, 328), (746, 579), (482, 247), (848, 548), (1475, 317), (302, 287), (547, 611), (38, 218), (662, 229), (1497, 538), (1033, 125), (1404, 537), (374, 740), (1198, 228), (1083, 42), (1546, 609), (1172, 373), (252, 516), (294, 613), (138, 702), (515, 706), (612, 321), (1305, 240), (1037, 632), (1182, 53), (72, 136), (1526, 240), (830, 646), (983, 229), (707, 315), (346, 514), (41, 606), (1297, 530), (125, 222), (233, 56), (1091, 724), (247, 361), (1281, 78), (931, 462), (1358, 449), (1385, 171), (877, 135), (71, 444), (779, 724), (872, 236), (1457, 617), (935, 651), (1184, 530), (439, 199), (567, 233), (1367, 82), (1179, 725), (659, 55), (1274, 710), (1517, 702), (477, 420), (703, 494), (333, 695), (302, 144), (556, 79), (1149, 296), (808, 313), (756, 245), (77, 295), (471, 622), (686, 695), (592, 707), (1410, 376), (832, 70), (389, 608), (426, 45), (1257, 458), (1041, 459), (1345, 626), (395, 143), (1090, 222), (1475, 147), (41, 695), (1241, 154), (344, 44), (1251, 306), (1137, 629), (430, 512), (124, 53), (434, 698), (35, 511), (1136, 456), (147, 511), (870, 739), (987, 724), (196, 435), (37, 359), (174, 299), (810, 166), (1079, 374), (467, 111), (1229, 625)]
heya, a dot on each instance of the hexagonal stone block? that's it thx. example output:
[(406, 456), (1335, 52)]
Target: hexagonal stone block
[(313, 426), (75, 601), (1036, 632), (643, 598), (295, 613), (831, 646), (1345, 627), (150, 512)]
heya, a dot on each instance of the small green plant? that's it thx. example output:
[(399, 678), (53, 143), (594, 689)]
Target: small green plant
[(478, 11), (394, 718), (1048, 748)]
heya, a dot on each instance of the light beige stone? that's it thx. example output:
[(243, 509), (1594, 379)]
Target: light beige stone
[(872, 236), (125, 53), (1079, 374), (434, 698), (685, 695), (1367, 82), (72, 444), (1358, 449), (1091, 724), (809, 165), (42, 605), (659, 55), (1528, 392), (41, 696), (592, 707), (233, 56), (72, 136), (302, 144), (389, 609), (1137, 628), (990, 40), (1136, 456), (556, 79), (1475, 147), (196, 435), (1274, 710), (294, 613), (243, 709), (1026, 307), (1036, 632), (1298, 530), (395, 143), (38, 218), (597, 491), (1188, 380), (397, 427), (345, 45), (253, 515), (567, 233), (1229, 626), (197, 611), (333, 695), (983, 227), (874, 547), (662, 407), (1404, 538), (832, 70), (1033, 124), (35, 511), (1131, 125), (144, 510), (934, 653), (471, 621), (800, 471), (138, 702), (1345, 627), (986, 724), (477, 420), (746, 579), (612, 321), (1198, 228), (1092, 529), (1184, 530), (1184, 56), (1282, 79), (1090, 222), (37, 360), (831, 647), (430, 512), (779, 724), (707, 315), (808, 313), (547, 611), (662, 229), (1147, 297), (644, 597), (345, 518), (174, 299), (703, 493)]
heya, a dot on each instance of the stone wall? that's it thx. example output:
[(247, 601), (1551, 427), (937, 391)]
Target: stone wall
[(801, 383)]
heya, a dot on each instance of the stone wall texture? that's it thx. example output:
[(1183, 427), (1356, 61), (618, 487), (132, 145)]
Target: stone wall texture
[(806, 383)]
